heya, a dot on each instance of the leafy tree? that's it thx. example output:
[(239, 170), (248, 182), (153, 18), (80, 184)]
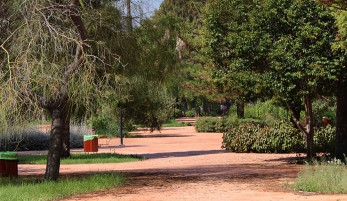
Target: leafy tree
[(338, 74), (192, 84), (238, 51), (285, 43)]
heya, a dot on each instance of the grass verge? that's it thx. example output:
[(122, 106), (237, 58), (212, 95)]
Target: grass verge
[(81, 158), (174, 123), (328, 177), (31, 189)]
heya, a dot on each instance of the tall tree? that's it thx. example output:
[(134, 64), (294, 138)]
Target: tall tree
[(340, 74), (192, 84), (238, 51), (285, 42)]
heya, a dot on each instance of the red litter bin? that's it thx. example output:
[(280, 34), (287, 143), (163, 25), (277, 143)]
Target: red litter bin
[(90, 143), (8, 164)]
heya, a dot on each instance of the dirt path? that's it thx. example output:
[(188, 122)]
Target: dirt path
[(185, 165)]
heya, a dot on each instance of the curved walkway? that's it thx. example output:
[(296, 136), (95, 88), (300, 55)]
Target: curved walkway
[(185, 165)]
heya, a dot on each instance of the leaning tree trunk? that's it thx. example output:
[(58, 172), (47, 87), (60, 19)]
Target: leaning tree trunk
[(341, 127), (55, 145)]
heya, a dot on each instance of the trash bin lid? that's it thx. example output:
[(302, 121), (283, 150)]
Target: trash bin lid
[(8, 155), (89, 137)]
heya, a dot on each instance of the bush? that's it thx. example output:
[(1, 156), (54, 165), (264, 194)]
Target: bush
[(281, 137), (190, 113), (212, 124), (324, 139), (176, 113), (240, 138)]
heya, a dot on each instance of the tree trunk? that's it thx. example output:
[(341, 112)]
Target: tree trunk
[(306, 130), (129, 18), (341, 127), (240, 110), (296, 107), (66, 134), (55, 145), (197, 112)]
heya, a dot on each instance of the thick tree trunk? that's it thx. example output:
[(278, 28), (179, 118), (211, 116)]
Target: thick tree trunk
[(341, 127), (55, 145), (240, 110)]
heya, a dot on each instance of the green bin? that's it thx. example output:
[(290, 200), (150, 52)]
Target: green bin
[(8, 164)]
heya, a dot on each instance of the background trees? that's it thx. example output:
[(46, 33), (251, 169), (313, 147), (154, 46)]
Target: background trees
[(277, 45)]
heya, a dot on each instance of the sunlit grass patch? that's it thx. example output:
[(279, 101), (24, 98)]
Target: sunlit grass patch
[(81, 158)]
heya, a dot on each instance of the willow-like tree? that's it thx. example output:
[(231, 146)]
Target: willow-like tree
[(52, 64)]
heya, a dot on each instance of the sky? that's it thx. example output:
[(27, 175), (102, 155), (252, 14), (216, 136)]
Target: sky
[(155, 4)]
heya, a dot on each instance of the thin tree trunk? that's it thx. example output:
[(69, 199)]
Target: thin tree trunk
[(55, 146), (309, 127), (240, 110), (307, 131), (129, 18), (341, 127)]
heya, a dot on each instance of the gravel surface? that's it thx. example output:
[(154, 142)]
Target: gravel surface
[(185, 165)]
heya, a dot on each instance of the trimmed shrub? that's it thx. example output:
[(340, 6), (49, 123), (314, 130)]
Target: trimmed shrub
[(206, 124), (240, 138), (281, 137), (212, 124)]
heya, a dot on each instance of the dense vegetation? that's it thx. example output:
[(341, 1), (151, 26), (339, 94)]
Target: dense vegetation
[(92, 65)]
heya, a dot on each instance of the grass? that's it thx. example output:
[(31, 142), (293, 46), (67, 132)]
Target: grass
[(327, 177), (174, 123), (81, 158), (32, 189)]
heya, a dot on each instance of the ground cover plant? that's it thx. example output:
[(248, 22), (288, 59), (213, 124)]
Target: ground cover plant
[(81, 158), (322, 177), (33, 189)]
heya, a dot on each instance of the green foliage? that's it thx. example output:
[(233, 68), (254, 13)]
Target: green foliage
[(211, 124), (175, 123), (325, 177), (279, 137), (190, 113), (240, 138), (176, 113), (324, 139)]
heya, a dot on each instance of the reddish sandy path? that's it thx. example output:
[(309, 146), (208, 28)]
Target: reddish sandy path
[(185, 165)]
